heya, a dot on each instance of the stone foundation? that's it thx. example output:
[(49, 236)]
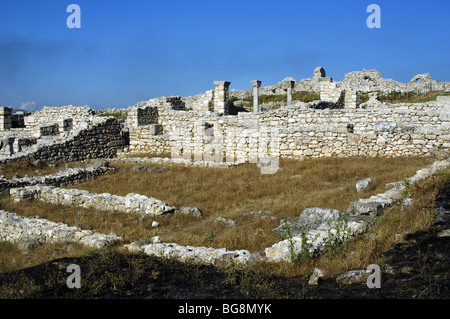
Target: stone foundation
[(131, 203), (15, 228)]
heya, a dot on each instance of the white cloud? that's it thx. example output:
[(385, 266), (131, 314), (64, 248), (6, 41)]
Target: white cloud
[(28, 106)]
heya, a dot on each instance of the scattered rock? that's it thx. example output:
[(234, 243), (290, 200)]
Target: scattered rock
[(395, 185), (256, 212), (363, 185), (406, 203), (444, 233), (371, 208), (27, 244), (193, 211), (225, 221), (352, 277), (316, 277)]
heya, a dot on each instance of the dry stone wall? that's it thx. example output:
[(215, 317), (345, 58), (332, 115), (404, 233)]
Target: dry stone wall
[(131, 203), (317, 224), (101, 139), (16, 228), (364, 81), (299, 131), (32, 231), (51, 115), (69, 176)]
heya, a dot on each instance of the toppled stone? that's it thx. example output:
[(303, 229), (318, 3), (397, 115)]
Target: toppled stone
[(319, 219), (371, 208), (226, 221), (363, 185), (316, 277), (395, 185), (192, 211), (352, 277), (444, 233), (256, 212), (406, 203)]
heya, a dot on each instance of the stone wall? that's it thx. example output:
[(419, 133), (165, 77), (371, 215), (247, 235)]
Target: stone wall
[(51, 115), (131, 203), (5, 118), (16, 228), (359, 217), (68, 176), (101, 139), (300, 131), (363, 81)]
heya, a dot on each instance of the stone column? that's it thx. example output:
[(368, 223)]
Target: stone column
[(5, 118), (351, 99), (289, 91), (328, 92), (256, 84), (220, 103)]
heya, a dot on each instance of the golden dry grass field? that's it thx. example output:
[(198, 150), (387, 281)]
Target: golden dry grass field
[(229, 193)]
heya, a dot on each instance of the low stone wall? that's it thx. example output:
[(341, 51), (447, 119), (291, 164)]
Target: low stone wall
[(65, 177), (16, 228), (195, 255), (131, 203), (360, 216), (100, 140), (314, 224), (174, 161)]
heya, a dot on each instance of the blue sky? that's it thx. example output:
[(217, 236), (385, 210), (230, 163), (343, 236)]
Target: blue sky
[(130, 51)]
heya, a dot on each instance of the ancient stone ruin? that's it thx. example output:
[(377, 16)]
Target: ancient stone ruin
[(210, 130)]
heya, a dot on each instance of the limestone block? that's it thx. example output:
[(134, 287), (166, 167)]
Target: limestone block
[(363, 185)]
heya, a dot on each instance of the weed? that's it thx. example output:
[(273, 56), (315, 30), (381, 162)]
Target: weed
[(407, 190), (209, 236), (336, 242), (79, 219)]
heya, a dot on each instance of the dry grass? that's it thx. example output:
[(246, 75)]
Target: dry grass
[(320, 182), (391, 229), (228, 193)]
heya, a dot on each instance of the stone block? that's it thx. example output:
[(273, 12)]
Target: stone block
[(155, 129)]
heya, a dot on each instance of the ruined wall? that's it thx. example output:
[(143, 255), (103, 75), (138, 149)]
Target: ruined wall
[(296, 132), (51, 115), (131, 203), (69, 176), (16, 228), (363, 81), (100, 140)]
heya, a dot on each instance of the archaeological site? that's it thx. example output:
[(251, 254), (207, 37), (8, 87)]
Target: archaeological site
[(222, 130)]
